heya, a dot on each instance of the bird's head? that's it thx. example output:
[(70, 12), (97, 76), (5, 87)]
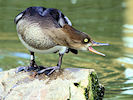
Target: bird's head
[(81, 40)]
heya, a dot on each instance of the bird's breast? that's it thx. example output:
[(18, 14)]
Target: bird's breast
[(31, 34)]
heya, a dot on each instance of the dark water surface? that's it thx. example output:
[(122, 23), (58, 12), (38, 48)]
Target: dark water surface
[(108, 21)]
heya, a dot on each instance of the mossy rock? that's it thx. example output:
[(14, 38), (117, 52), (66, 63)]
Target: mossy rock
[(66, 84)]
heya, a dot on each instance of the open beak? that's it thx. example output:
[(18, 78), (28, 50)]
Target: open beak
[(97, 44)]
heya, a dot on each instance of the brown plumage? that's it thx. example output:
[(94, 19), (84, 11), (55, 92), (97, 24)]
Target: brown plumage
[(69, 36), (48, 30)]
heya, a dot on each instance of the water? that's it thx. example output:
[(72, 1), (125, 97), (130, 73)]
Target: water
[(108, 21)]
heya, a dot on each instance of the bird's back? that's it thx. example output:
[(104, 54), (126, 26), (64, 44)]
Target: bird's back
[(34, 26)]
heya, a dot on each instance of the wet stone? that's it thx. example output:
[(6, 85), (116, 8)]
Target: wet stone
[(66, 84)]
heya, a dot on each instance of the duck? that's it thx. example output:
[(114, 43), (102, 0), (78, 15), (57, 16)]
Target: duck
[(48, 30)]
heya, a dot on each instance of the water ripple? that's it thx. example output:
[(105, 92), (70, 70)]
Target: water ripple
[(128, 42), (129, 73), (128, 26), (125, 60)]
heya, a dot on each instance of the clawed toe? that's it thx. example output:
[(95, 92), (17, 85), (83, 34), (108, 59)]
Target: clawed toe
[(48, 71), (29, 68), (40, 69), (22, 68), (26, 69)]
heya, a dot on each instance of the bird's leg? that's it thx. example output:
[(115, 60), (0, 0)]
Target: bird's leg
[(32, 60), (33, 65), (50, 70)]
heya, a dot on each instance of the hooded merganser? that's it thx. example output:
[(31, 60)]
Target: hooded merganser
[(48, 30)]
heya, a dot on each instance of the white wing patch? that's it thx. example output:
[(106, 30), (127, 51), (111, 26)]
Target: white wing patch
[(63, 20), (18, 17), (68, 21)]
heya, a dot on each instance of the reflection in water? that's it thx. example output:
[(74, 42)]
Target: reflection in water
[(128, 91), (128, 31), (73, 1), (13, 59), (21, 55), (128, 26), (128, 50), (128, 42), (1, 69), (129, 75), (126, 60)]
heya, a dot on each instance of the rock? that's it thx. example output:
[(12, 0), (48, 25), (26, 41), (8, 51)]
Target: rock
[(66, 84)]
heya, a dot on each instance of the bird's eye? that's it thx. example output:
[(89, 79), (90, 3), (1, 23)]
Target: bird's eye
[(86, 40)]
